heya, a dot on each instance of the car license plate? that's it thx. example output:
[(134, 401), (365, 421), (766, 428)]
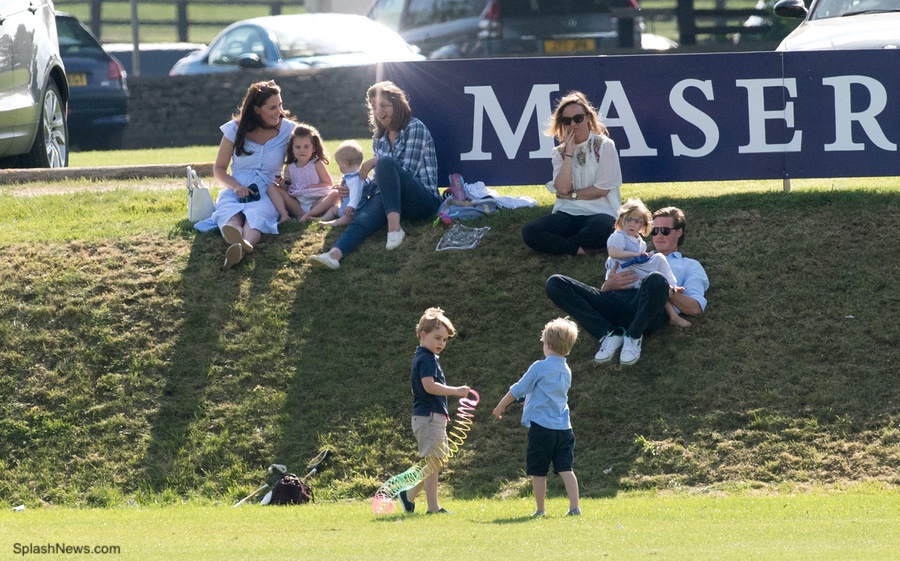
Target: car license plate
[(77, 79), (569, 45)]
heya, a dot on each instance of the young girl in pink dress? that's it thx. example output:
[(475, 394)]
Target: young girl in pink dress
[(306, 190)]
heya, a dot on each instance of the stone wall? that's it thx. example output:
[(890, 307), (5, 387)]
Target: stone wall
[(188, 110)]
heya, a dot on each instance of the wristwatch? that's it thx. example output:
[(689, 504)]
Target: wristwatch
[(574, 194)]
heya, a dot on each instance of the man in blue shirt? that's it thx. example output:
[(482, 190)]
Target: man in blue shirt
[(618, 316)]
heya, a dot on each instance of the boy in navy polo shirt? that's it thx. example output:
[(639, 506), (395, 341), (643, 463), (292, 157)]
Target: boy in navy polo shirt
[(430, 414), (545, 387)]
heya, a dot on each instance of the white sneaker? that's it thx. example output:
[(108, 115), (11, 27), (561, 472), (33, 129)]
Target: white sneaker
[(631, 351), (325, 261), (608, 347), (395, 239)]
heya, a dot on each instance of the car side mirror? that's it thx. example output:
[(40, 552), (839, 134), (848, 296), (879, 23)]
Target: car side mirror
[(790, 9), (250, 60)]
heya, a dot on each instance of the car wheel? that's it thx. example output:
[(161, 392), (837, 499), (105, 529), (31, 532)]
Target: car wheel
[(51, 143)]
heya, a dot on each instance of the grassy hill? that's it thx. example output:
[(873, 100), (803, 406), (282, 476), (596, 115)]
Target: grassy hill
[(132, 368)]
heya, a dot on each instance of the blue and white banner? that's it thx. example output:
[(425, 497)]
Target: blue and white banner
[(690, 117)]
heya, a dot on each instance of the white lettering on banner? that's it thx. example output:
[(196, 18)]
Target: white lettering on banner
[(758, 115), (694, 116), (538, 105), (844, 117), (615, 95)]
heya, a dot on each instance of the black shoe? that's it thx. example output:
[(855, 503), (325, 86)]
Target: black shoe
[(440, 511), (408, 505)]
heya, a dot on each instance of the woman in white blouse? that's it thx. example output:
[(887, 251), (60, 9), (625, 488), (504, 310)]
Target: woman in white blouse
[(586, 182)]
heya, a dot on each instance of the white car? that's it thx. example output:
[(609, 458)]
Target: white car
[(296, 42), (841, 24)]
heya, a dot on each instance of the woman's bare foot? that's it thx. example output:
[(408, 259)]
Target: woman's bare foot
[(284, 218)]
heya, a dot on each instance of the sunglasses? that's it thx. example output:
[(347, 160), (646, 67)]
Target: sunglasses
[(636, 219), (568, 120), (662, 230)]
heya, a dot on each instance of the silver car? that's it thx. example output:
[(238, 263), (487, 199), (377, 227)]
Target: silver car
[(296, 42), (841, 24), (33, 87)]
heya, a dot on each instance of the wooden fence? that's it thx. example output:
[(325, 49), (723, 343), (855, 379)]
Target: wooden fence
[(182, 22), (719, 21)]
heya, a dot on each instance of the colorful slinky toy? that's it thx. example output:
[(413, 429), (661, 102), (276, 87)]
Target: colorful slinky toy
[(383, 501)]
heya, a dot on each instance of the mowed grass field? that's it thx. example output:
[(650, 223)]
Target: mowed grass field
[(815, 526), (139, 379)]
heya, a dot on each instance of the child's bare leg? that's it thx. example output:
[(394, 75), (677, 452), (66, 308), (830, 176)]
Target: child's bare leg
[(330, 214), (342, 221), (571, 483), (331, 200), (277, 196), (674, 318), (539, 484), (431, 485)]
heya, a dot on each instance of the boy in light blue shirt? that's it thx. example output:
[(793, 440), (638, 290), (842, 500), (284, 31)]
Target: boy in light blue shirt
[(545, 387)]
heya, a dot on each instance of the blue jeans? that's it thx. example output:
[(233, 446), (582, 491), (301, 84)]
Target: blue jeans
[(638, 311), (398, 191)]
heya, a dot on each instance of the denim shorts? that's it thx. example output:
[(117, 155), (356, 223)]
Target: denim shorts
[(549, 445), (431, 434)]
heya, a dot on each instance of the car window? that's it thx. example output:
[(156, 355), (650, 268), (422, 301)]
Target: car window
[(522, 8), (838, 8), (388, 13), (427, 12), (73, 38), (239, 41), (361, 35)]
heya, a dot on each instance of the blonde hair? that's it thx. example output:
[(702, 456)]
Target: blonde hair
[(635, 206), (431, 319), (350, 153), (560, 335)]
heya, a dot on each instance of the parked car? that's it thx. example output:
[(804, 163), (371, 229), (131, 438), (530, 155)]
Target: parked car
[(98, 101), (451, 28), (443, 28), (298, 41), (841, 24), (33, 87)]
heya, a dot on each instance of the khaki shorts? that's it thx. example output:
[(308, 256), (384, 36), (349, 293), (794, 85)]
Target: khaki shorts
[(431, 434)]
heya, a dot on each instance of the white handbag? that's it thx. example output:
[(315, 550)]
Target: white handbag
[(199, 201)]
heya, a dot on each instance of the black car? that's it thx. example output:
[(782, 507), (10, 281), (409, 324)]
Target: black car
[(33, 88), (488, 28), (98, 103)]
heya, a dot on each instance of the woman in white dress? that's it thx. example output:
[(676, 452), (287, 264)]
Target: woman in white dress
[(253, 143)]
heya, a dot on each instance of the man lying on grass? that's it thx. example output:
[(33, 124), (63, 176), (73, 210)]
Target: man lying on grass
[(620, 316)]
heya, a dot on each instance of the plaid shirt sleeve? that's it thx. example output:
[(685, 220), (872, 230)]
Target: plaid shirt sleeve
[(415, 151)]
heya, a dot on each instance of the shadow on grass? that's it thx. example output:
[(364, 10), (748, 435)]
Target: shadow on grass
[(177, 456)]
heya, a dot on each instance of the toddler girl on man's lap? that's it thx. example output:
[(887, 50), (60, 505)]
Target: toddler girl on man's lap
[(633, 221)]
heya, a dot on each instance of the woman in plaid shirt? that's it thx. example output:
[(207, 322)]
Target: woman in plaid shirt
[(405, 180)]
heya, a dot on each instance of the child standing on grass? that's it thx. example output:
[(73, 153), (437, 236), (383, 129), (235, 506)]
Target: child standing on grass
[(349, 158), (430, 414), (634, 221), (545, 387), (306, 189)]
